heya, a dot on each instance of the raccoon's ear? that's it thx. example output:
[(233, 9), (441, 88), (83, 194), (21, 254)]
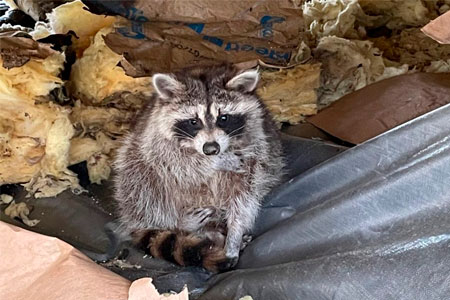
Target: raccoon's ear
[(245, 82), (166, 85)]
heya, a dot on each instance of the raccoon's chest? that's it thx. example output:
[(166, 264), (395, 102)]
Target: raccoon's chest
[(218, 191)]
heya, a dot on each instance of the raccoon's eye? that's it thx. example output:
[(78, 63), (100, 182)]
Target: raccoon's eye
[(193, 122), (223, 118)]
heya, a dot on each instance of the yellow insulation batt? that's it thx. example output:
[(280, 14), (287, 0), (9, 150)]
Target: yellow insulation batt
[(73, 16), (34, 144), (97, 76), (290, 94), (36, 78)]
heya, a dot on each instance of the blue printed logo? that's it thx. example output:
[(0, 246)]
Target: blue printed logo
[(266, 32), (267, 24), (137, 18)]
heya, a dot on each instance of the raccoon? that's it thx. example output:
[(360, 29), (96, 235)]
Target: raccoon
[(192, 172)]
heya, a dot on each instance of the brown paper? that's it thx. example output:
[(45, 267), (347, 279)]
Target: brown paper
[(439, 29), (34, 266), (143, 289), (16, 51), (381, 106), (39, 267), (163, 36)]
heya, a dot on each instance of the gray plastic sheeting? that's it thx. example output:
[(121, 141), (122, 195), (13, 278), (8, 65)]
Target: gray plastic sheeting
[(370, 223)]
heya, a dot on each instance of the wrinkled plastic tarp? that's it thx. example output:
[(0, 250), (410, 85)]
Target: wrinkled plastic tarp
[(370, 223)]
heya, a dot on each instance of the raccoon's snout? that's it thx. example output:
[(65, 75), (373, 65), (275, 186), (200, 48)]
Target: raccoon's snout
[(211, 148)]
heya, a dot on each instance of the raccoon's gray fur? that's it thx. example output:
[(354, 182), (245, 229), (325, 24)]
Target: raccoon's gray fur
[(194, 169)]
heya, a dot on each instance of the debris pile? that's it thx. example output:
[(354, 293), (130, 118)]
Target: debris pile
[(362, 42), (48, 124), (17, 210), (74, 76)]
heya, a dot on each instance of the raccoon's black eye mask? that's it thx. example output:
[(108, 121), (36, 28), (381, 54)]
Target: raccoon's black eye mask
[(231, 124), (188, 128)]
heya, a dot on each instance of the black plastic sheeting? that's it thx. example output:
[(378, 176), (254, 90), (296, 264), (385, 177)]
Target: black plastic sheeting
[(369, 223), (87, 221)]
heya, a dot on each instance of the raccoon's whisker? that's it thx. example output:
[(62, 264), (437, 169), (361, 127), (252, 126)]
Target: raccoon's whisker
[(237, 129), (183, 137), (237, 135), (184, 132)]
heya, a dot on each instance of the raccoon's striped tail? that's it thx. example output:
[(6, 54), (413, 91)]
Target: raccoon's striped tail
[(185, 249)]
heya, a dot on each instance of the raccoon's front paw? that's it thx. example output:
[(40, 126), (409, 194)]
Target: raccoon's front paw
[(228, 263), (232, 254)]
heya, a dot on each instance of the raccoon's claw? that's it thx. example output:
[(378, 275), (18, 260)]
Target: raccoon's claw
[(246, 239), (202, 213), (197, 218), (233, 261), (228, 263)]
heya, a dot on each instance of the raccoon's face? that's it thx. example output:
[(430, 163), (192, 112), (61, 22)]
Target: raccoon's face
[(209, 113), (209, 130)]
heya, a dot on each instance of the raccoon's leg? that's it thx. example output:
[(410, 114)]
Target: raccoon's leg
[(197, 218), (241, 218)]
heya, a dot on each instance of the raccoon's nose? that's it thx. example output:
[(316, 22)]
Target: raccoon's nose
[(211, 148)]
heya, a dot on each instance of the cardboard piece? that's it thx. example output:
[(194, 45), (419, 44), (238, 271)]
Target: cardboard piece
[(439, 29), (161, 36), (384, 105)]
